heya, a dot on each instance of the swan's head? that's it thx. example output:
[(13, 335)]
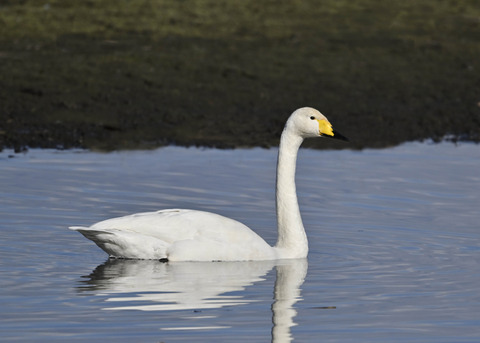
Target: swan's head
[(308, 122)]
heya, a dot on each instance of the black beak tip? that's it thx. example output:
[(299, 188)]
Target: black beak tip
[(337, 135)]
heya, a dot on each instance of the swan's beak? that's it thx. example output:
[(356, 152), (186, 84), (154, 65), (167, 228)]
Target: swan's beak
[(338, 135), (326, 130)]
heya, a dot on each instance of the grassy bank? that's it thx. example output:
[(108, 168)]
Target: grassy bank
[(138, 74)]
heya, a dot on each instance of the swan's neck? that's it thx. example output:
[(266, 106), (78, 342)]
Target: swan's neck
[(292, 240)]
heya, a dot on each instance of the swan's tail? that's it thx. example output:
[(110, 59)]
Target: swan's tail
[(124, 244), (86, 230)]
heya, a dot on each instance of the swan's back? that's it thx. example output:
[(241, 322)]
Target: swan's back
[(178, 235)]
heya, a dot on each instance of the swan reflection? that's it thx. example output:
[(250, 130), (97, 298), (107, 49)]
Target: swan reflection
[(154, 286)]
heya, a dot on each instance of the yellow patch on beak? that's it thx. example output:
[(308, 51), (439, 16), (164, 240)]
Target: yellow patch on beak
[(325, 128)]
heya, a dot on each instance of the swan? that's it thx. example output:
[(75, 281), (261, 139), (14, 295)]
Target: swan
[(191, 235)]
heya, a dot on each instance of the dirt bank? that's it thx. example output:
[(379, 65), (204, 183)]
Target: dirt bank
[(139, 74)]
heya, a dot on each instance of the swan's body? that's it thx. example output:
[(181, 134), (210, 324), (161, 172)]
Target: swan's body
[(189, 235), (178, 235)]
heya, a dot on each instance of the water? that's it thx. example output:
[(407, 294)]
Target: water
[(394, 247)]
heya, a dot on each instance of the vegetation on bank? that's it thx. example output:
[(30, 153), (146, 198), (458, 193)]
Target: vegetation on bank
[(110, 74)]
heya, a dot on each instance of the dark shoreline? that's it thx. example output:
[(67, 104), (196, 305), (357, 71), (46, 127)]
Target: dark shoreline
[(137, 75)]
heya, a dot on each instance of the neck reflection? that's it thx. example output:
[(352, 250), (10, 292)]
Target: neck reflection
[(154, 286)]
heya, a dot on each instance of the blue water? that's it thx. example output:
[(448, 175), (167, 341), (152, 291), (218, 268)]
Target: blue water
[(394, 240)]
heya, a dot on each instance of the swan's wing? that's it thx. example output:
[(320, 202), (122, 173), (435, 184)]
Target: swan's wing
[(178, 235), (178, 224)]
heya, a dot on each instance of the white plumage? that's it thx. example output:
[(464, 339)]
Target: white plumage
[(189, 235)]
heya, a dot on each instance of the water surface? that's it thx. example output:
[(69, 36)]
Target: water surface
[(394, 247)]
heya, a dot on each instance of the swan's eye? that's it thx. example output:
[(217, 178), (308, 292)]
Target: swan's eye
[(312, 117)]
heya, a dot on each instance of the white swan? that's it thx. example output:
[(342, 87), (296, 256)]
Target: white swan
[(189, 235)]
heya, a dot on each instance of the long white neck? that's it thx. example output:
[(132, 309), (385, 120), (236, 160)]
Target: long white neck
[(292, 240)]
